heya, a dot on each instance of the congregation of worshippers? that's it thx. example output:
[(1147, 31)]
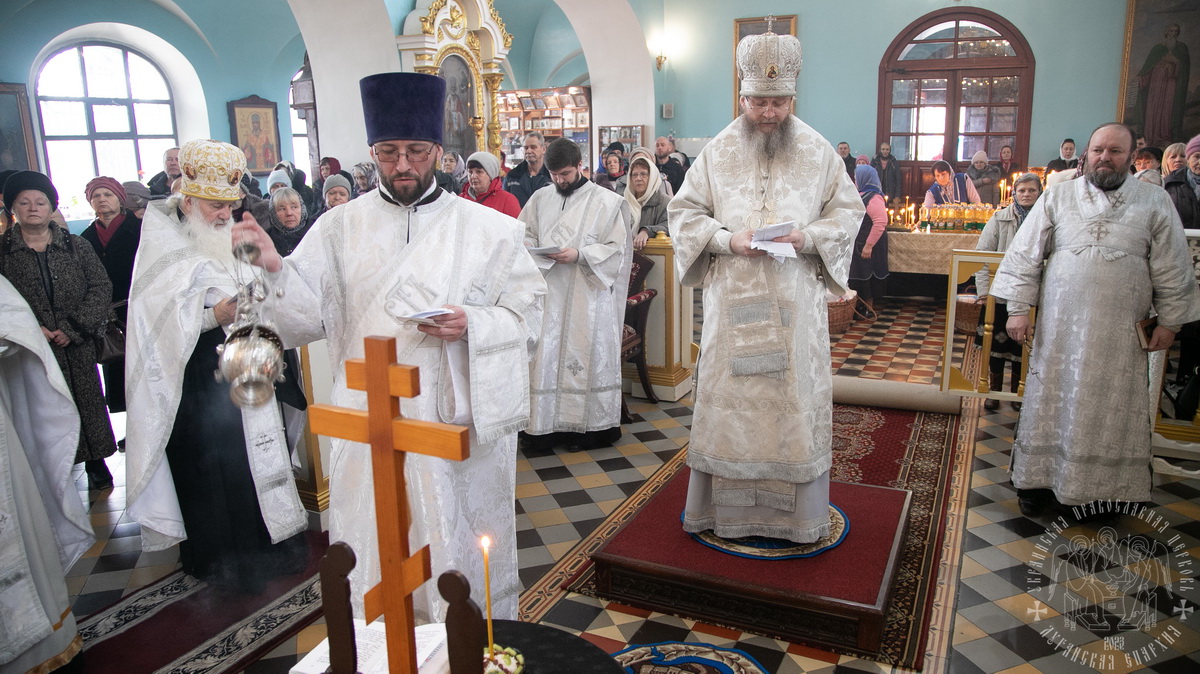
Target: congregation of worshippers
[(504, 277)]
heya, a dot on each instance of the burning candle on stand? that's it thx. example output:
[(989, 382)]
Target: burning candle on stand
[(487, 591)]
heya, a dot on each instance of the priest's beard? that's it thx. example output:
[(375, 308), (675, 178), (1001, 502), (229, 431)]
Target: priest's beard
[(213, 241), (766, 144), (410, 193), (1106, 175)]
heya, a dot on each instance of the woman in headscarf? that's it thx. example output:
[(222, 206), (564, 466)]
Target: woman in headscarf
[(869, 265), (646, 200), (614, 171), (68, 290), (996, 236), (364, 178), (986, 178), (454, 165), (115, 235)]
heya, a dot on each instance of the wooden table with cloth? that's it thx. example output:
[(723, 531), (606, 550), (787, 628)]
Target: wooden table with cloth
[(915, 253), (919, 263)]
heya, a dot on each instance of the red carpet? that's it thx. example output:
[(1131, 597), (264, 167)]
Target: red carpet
[(655, 537), (180, 623), (891, 448)]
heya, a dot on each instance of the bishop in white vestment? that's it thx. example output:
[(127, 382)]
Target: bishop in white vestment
[(1095, 255), (202, 472), (44, 528), (761, 443), (406, 248), (576, 372)]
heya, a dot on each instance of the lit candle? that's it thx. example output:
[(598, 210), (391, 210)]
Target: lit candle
[(487, 591)]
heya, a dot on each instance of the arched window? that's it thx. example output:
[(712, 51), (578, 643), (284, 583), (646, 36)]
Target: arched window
[(104, 110), (954, 82)]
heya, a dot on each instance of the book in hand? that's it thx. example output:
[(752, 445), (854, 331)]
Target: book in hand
[(424, 317), (1145, 330), (545, 250)]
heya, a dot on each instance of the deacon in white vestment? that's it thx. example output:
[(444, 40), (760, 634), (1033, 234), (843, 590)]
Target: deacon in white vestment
[(761, 442), (44, 527), (576, 372), (405, 248), (201, 471), (1095, 255)]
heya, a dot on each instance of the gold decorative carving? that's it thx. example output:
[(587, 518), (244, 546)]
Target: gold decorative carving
[(473, 43), (493, 137), (504, 34), (430, 19), (493, 81)]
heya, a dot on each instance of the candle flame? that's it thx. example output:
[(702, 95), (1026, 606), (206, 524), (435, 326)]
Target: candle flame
[(485, 542)]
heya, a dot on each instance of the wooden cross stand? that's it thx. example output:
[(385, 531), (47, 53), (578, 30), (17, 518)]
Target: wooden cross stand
[(390, 437)]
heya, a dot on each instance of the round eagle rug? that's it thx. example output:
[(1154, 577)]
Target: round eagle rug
[(761, 547), (678, 656)]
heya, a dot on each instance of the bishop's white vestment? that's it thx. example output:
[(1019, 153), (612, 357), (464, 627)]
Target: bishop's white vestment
[(762, 433), (364, 265), (576, 372), (174, 286), (44, 526), (1093, 263)]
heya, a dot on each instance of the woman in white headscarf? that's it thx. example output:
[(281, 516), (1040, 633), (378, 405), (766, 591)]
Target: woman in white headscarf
[(646, 200)]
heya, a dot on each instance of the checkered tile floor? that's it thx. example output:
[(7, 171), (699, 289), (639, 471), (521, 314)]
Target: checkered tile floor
[(903, 344), (1001, 606)]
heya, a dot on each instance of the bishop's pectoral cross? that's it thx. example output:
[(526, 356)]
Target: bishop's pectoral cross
[(390, 436)]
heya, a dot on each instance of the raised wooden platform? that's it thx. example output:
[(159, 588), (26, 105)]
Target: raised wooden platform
[(838, 598)]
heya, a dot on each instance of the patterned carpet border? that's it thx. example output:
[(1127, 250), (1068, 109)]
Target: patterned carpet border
[(935, 468), (139, 606), (247, 640)]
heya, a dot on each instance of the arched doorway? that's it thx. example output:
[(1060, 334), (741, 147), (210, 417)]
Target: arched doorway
[(954, 82)]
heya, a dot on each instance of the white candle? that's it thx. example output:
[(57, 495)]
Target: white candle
[(487, 591)]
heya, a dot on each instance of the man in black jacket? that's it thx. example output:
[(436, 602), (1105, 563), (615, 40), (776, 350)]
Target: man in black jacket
[(530, 175), (160, 184), (669, 166)]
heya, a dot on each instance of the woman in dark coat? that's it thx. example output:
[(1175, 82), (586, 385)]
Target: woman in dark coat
[(68, 290), (114, 236)]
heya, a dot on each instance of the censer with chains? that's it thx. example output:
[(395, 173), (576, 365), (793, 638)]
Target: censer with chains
[(251, 359)]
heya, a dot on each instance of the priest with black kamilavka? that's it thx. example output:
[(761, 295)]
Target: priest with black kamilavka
[(364, 269)]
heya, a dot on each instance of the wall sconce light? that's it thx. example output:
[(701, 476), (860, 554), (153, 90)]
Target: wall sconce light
[(660, 60)]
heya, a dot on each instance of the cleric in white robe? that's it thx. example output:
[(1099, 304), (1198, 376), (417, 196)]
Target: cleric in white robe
[(191, 480), (762, 434), (576, 372), (44, 527), (405, 248), (1095, 255)]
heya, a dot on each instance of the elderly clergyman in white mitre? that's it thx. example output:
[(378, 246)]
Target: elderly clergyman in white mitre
[(201, 471), (761, 443)]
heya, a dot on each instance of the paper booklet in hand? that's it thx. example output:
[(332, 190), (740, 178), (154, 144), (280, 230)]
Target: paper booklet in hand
[(424, 317), (762, 240)]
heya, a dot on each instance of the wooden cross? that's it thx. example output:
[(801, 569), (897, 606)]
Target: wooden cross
[(390, 437)]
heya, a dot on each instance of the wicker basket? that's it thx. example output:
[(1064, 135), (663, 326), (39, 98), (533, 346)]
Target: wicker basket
[(966, 313), (841, 313)]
